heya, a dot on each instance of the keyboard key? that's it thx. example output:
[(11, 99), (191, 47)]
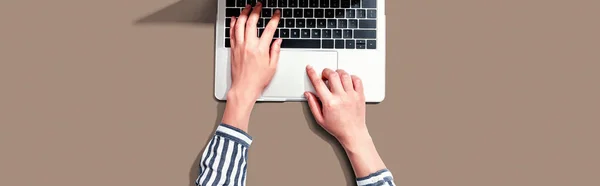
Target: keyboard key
[(327, 43), (331, 23), (260, 32), (230, 3), (227, 22), (300, 23), (230, 12), (361, 44), (329, 13), (303, 3), (339, 44), (319, 13), (342, 23), (281, 23), (295, 33), (305, 33), (314, 3), (355, 3), (369, 3), (347, 33), (349, 44), (337, 33), (276, 34), (366, 34), (241, 3), (367, 23), (324, 4), (289, 23), (361, 13), (293, 3), (350, 13), (326, 33), (284, 33), (345, 3), (316, 33), (339, 13), (321, 23), (287, 13), (298, 13), (301, 43), (335, 3), (372, 44), (227, 43), (352, 23), (266, 12), (260, 23), (282, 3), (252, 2), (227, 32), (308, 13), (371, 13), (271, 3), (311, 23)]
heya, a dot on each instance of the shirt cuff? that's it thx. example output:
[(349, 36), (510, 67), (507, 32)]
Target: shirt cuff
[(234, 134), (377, 178)]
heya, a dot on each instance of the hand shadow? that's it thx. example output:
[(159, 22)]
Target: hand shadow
[(337, 147), (195, 169), (184, 11)]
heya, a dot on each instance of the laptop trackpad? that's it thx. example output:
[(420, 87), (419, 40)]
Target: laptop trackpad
[(290, 80)]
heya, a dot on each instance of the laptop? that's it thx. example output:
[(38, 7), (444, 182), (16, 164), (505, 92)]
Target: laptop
[(335, 34)]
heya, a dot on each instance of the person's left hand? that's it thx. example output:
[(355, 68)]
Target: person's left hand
[(253, 59)]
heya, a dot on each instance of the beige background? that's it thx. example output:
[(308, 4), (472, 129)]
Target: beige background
[(111, 92)]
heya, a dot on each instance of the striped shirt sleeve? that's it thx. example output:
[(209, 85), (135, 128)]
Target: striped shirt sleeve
[(380, 178), (223, 161)]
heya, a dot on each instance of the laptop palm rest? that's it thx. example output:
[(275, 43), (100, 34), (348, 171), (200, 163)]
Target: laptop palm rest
[(291, 81)]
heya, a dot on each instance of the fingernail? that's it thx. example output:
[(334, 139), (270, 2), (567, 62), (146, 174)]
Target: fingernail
[(258, 3), (247, 5), (308, 67)]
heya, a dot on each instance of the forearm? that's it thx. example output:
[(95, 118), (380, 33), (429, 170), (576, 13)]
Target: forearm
[(366, 162), (238, 109)]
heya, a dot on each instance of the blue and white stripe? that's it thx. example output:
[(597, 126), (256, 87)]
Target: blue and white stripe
[(224, 159), (380, 178)]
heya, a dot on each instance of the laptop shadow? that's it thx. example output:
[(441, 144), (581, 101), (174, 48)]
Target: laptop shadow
[(183, 12)]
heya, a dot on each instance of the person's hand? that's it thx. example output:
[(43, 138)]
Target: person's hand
[(253, 59), (253, 64), (341, 109)]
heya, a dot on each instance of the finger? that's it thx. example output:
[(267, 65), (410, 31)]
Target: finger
[(253, 21), (240, 25), (358, 86), (318, 83), (334, 80), (346, 80), (232, 32), (275, 50), (267, 35), (315, 107)]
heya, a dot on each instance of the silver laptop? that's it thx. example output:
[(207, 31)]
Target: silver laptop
[(335, 34)]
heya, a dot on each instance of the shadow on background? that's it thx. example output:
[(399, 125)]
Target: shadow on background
[(195, 169), (184, 11), (345, 165)]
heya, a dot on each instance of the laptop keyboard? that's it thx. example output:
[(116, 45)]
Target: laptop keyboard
[(315, 24)]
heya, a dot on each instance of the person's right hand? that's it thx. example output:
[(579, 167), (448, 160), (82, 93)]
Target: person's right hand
[(341, 109)]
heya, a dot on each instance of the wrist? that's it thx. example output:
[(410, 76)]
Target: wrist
[(238, 109), (354, 143)]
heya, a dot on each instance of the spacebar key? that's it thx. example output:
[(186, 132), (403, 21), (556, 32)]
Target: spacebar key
[(301, 43)]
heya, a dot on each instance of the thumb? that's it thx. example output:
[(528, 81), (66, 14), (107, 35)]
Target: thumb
[(315, 107)]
